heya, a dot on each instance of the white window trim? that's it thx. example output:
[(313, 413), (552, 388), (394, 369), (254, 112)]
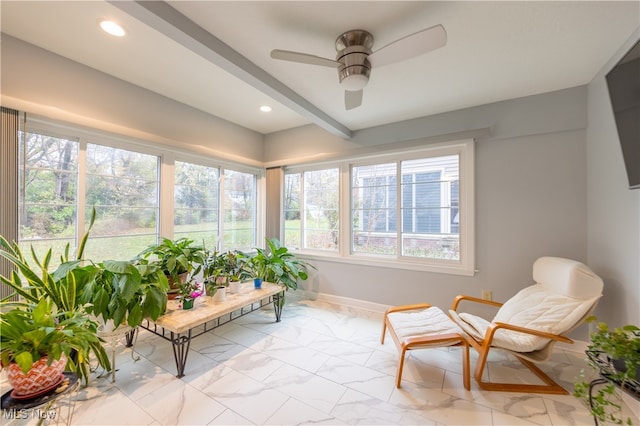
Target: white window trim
[(167, 155), (465, 266)]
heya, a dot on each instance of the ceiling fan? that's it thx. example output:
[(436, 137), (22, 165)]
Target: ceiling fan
[(355, 58)]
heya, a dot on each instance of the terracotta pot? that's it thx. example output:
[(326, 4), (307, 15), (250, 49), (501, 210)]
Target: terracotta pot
[(174, 287), (39, 378)]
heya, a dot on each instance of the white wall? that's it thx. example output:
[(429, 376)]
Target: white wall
[(613, 210), (530, 196), (42, 83)]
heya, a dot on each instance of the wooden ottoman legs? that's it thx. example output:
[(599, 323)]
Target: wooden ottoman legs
[(425, 341)]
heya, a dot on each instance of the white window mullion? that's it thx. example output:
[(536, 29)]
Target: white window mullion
[(167, 173), (345, 231), (221, 212), (399, 218), (81, 194), (445, 201)]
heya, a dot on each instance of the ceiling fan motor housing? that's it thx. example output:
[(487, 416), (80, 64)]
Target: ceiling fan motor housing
[(353, 49)]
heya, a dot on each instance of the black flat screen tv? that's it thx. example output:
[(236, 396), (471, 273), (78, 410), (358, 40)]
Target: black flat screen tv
[(623, 82)]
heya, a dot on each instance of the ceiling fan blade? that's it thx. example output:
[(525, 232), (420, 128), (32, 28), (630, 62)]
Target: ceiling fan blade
[(352, 99), (305, 58), (407, 47)]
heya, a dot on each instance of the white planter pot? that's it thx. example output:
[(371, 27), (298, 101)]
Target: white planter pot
[(220, 294), (234, 287)]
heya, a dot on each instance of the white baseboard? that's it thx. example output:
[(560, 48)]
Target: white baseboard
[(346, 301)]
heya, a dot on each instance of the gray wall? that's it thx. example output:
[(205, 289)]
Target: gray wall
[(613, 210), (530, 196)]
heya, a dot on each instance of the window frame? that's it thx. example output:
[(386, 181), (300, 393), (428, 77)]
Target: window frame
[(465, 266), (302, 170), (166, 170)]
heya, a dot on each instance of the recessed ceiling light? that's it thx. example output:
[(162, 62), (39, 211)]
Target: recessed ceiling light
[(112, 28), (265, 108)]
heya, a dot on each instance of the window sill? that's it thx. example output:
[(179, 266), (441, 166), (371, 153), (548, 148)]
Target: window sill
[(373, 261)]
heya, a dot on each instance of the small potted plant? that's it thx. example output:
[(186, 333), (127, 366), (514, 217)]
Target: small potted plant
[(615, 355), (36, 344), (189, 292), (234, 269)]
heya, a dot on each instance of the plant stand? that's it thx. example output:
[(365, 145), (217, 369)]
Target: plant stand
[(606, 371), (112, 338), (46, 408)]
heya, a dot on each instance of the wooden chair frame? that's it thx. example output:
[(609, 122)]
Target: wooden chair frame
[(484, 346), (425, 342)]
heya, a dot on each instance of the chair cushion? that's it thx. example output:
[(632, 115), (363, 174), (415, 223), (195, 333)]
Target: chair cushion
[(533, 307), (568, 277), (427, 322)]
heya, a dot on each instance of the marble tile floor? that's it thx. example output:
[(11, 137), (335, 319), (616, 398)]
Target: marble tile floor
[(322, 364)]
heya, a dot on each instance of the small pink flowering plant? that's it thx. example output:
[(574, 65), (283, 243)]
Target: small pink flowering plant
[(190, 291)]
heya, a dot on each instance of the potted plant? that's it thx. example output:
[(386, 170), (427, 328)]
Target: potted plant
[(176, 258), (234, 269), (37, 343), (224, 269), (189, 292), (123, 293), (62, 288), (279, 265), (615, 355)]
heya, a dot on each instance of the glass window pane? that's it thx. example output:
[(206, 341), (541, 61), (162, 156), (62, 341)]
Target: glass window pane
[(196, 195), (374, 209), (123, 187), (430, 208), (321, 198), (48, 194), (239, 211)]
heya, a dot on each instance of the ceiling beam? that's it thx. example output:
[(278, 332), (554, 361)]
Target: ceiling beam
[(173, 24)]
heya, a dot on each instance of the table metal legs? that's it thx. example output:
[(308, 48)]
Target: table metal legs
[(180, 344)]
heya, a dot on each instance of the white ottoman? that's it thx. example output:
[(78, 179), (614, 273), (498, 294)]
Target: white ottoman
[(423, 326)]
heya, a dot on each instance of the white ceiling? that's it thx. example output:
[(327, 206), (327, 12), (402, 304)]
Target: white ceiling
[(495, 51)]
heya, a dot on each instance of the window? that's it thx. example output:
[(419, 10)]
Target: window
[(239, 210), (428, 199), (311, 210), (408, 209), (123, 187), (48, 193), (196, 195), (66, 171)]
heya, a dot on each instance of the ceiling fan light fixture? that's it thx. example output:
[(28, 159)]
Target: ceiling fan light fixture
[(354, 82)]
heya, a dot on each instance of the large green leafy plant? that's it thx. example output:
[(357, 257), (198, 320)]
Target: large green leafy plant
[(174, 257), (123, 292), (277, 264), (60, 289)]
